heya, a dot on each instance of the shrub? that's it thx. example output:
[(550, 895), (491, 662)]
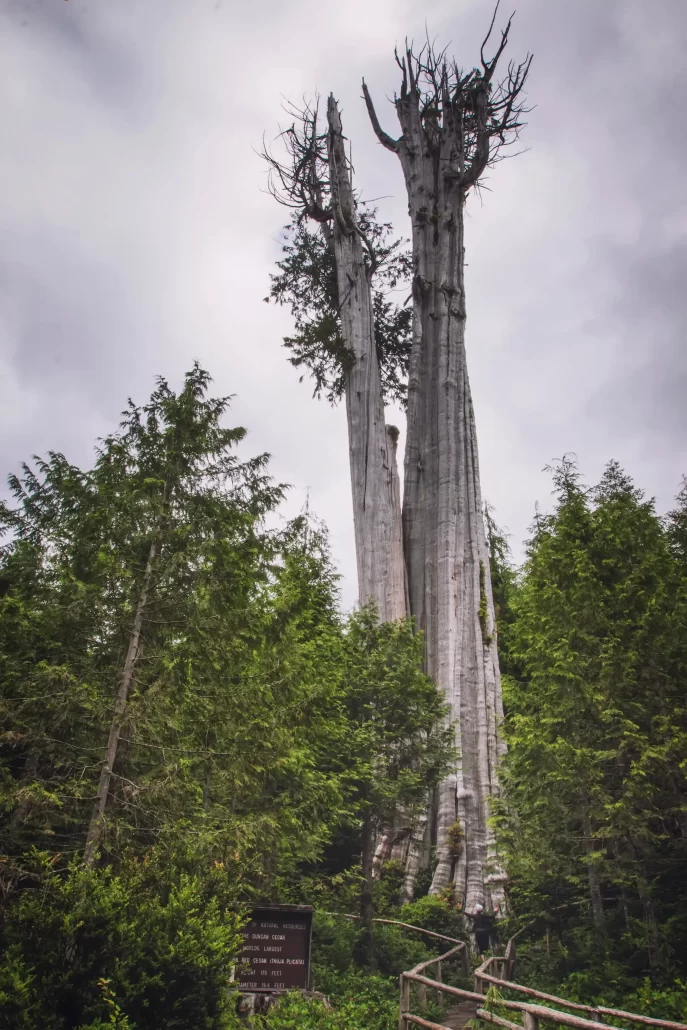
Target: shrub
[(395, 952), (133, 948), (360, 1001), (435, 914), (388, 889), (333, 942)]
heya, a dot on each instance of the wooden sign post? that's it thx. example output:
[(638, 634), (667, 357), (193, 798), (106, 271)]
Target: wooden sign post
[(276, 950)]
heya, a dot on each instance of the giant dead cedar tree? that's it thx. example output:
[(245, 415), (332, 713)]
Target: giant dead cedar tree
[(454, 126)]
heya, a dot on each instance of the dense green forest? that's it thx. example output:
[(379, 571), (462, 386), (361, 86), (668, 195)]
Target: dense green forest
[(190, 725)]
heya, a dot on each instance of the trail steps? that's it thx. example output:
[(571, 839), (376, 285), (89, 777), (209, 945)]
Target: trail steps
[(460, 1015)]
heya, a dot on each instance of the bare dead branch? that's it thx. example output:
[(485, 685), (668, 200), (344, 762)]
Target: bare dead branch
[(301, 181), (383, 137), (489, 66), (488, 35), (463, 118)]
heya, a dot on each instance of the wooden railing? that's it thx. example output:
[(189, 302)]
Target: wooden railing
[(530, 1013), (458, 952), (396, 922), (483, 978), (415, 977)]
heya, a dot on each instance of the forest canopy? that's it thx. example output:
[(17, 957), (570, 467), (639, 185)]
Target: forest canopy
[(187, 716), (266, 737)]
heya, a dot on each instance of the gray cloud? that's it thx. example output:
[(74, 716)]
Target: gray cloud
[(135, 233)]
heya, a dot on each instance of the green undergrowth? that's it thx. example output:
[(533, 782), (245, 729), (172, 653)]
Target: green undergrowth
[(359, 1000), (618, 992), (612, 988), (594, 978), (92, 948)]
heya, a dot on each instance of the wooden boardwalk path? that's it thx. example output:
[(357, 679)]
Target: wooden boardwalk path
[(460, 1015)]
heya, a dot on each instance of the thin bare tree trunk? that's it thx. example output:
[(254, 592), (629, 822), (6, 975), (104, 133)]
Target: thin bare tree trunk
[(95, 830), (372, 444), (646, 901), (24, 807), (594, 880), (366, 897), (649, 919)]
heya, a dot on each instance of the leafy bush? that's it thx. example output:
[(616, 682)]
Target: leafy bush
[(336, 945), (360, 1001), (388, 889), (669, 1002), (618, 990), (394, 952), (333, 943), (585, 975), (435, 914), (141, 948), (339, 892)]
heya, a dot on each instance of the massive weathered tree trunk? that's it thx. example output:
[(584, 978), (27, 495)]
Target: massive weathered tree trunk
[(372, 444), (436, 564), (446, 548), (448, 121)]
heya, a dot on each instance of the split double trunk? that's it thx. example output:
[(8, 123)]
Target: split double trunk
[(436, 567)]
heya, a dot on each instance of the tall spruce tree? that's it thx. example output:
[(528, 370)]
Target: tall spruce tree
[(155, 683), (396, 749), (597, 720)]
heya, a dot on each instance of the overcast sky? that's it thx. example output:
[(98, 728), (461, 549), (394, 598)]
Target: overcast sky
[(135, 233)]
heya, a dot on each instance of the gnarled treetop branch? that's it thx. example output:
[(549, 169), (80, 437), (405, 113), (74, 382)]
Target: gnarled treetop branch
[(302, 181), (464, 119)]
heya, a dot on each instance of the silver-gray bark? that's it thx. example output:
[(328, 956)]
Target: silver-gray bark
[(372, 444), (448, 122), (316, 182)]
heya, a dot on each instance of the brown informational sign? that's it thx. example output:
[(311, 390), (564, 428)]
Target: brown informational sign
[(276, 950)]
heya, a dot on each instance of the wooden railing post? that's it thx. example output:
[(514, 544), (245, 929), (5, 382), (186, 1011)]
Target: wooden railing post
[(404, 1003), (510, 959), (438, 978), (422, 996), (530, 1021)]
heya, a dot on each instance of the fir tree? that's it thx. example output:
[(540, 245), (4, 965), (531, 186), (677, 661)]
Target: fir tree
[(597, 724)]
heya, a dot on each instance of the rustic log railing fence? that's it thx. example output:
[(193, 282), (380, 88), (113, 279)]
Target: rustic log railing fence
[(414, 985), (405, 926), (531, 1013)]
